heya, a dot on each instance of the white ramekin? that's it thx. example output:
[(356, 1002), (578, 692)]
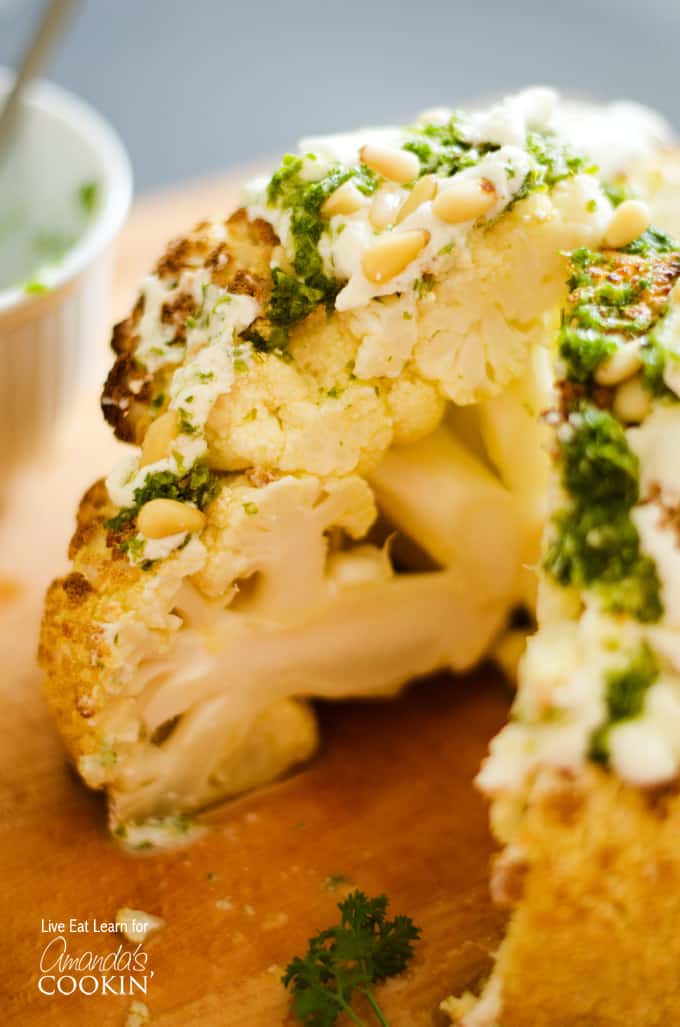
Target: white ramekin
[(51, 344)]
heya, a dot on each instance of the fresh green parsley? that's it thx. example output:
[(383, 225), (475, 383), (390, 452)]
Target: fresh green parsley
[(347, 960)]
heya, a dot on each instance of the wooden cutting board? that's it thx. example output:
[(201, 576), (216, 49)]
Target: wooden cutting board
[(387, 803)]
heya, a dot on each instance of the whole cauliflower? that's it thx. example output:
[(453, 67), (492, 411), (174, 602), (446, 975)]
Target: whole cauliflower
[(306, 511)]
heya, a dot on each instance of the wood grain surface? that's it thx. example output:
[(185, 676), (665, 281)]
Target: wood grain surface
[(388, 802)]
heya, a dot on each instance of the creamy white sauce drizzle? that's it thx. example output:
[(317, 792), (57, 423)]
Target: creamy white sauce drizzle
[(212, 355)]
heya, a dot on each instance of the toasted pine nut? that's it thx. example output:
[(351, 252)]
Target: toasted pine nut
[(632, 401), (629, 220), (397, 165), (279, 258), (465, 200), (159, 437), (384, 207), (622, 364), (389, 257), (162, 517), (345, 200), (425, 189)]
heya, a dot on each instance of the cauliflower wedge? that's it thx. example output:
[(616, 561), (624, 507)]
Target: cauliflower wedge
[(289, 380)]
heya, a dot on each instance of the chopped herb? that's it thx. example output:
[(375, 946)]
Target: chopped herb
[(291, 299), (616, 192), (625, 697), (650, 242), (186, 427), (556, 160), (134, 546), (443, 150), (596, 544), (251, 509), (616, 296), (198, 486), (364, 949), (424, 285), (294, 296)]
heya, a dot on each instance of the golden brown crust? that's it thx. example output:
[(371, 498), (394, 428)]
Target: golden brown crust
[(595, 941), (241, 264), (73, 648)]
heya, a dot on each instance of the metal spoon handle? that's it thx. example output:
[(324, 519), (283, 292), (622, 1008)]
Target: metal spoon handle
[(52, 24)]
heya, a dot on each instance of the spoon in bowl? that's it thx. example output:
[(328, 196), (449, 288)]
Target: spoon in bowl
[(51, 27)]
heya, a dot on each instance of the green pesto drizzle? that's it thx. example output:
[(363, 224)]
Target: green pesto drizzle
[(293, 297), (197, 486), (596, 544), (625, 693), (443, 150), (614, 300)]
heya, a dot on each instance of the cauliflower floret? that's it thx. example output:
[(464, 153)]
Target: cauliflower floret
[(478, 325), (263, 531), (194, 670), (276, 417)]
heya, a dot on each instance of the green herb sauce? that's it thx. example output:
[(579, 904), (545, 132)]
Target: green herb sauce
[(198, 486), (625, 694), (596, 544)]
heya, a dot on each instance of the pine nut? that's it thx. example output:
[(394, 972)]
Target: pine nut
[(162, 517), (397, 165), (622, 364), (345, 200), (425, 189), (629, 220), (465, 200), (384, 207), (632, 401), (389, 257), (159, 437)]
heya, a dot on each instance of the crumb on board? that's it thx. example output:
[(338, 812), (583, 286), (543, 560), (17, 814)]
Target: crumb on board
[(224, 904), (137, 1015), (137, 925), (275, 921), (334, 881)]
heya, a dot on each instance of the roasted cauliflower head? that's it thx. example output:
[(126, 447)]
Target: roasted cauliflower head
[(292, 382)]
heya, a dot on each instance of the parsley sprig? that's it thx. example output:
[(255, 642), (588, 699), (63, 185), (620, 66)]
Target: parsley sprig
[(347, 960)]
